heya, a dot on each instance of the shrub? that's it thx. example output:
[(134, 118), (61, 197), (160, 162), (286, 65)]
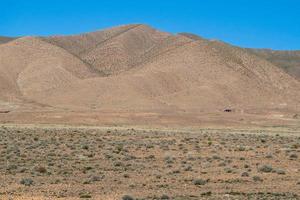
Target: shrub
[(280, 171), (257, 179), (293, 156), (85, 196), (199, 182), (41, 169), (265, 169), (26, 181), (245, 174), (165, 197), (127, 197)]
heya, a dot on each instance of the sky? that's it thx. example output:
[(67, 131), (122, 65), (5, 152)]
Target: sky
[(273, 24)]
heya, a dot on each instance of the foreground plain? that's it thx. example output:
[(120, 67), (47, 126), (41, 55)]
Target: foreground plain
[(110, 163)]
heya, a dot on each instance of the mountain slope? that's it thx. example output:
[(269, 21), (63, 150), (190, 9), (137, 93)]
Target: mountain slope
[(287, 60), (136, 68), (5, 39), (30, 65), (113, 50)]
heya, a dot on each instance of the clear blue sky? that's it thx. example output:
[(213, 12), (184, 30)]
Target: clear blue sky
[(248, 23)]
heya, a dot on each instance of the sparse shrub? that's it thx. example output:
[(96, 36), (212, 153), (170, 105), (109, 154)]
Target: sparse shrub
[(87, 182), (280, 171), (188, 168), (199, 182), (263, 140), (87, 168), (265, 169), (165, 197), (246, 166), (257, 179), (293, 156), (216, 157), (119, 148), (118, 164), (228, 170), (41, 169), (127, 197), (11, 167), (269, 156), (151, 157), (296, 146), (96, 178), (169, 159), (209, 193), (85, 196), (241, 148), (26, 181), (245, 174)]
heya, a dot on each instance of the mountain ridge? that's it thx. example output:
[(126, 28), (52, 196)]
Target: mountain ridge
[(136, 68), (4, 39), (288, 60)]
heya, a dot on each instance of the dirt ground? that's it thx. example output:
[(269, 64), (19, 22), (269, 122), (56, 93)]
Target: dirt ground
[(152, 120), (55, 162)]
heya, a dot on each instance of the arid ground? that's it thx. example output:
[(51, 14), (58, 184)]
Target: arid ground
[(56, 162)]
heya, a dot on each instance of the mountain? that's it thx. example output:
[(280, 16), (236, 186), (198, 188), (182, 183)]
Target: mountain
[(138, 69), (5, 39), (287, 60), (113, 50)]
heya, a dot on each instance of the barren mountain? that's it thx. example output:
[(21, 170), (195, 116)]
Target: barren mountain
[(288, 60), (5, 39), (137, 69), (113, 50)]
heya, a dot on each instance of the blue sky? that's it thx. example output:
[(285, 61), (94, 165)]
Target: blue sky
[(248, 23)]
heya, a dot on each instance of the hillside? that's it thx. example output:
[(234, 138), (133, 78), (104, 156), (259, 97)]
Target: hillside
[(137, 69), (5, 39), (113, 50), (287, 60)]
